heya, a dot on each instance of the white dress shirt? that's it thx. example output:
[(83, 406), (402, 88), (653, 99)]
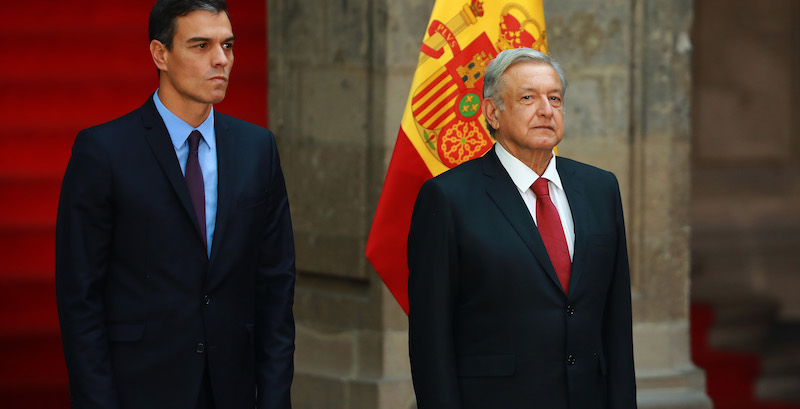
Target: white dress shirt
[(523, 178)]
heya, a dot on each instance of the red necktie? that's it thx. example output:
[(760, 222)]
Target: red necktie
[(194, 181), (549, 225)]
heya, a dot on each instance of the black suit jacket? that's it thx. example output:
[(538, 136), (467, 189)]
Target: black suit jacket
[(142, 308), (490, 326)]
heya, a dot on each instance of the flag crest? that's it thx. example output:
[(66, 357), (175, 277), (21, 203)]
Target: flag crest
[(443, 117)]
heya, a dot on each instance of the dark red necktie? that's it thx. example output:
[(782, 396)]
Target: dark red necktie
[(194, 181), (549, 225)]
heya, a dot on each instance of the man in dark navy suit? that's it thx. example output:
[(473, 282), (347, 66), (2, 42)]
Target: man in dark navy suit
[(174, 249), (519, 289)]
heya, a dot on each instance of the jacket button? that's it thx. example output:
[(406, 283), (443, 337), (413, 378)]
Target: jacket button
[(200, 348), (570, 310), (571, 359), (206, 300)]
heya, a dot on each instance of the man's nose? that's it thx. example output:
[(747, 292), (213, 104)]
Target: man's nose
[(220, 57), (544, 108)]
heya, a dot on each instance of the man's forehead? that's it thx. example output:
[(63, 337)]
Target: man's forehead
[(201, 22), (527, 80)]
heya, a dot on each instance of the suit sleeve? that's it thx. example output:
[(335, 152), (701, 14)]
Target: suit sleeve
[(83, 239), (432, 265), (617, 328), (275, 332)]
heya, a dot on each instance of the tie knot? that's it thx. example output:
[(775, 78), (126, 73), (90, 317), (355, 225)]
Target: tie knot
[(194, 140), (540, 187)]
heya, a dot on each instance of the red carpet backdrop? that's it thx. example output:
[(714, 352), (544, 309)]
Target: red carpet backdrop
[(731, 376), (71, 65)]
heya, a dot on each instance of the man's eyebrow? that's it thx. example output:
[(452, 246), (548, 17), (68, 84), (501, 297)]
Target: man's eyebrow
[(206, 39), (558, 90)]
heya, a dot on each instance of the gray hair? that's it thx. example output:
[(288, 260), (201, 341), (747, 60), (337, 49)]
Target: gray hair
[(493, 83)]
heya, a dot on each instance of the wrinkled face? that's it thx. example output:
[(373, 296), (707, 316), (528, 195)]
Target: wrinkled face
[(533, 117), (198, 66)]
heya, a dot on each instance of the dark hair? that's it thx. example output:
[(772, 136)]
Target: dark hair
[(162, 18)]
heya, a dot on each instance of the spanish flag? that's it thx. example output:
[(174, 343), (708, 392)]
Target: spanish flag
[(442, 124)]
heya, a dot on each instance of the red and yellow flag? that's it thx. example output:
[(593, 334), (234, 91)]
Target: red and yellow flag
[(442, 124)]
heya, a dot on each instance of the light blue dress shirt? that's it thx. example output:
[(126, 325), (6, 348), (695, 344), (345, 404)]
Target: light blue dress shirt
[(179, 132)]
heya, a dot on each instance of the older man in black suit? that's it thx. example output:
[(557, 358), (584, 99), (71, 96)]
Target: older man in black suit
[(174, 250), (519, 289)]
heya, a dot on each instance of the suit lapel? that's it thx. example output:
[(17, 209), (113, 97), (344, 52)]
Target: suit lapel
[(579, 207), (506, 197), (158, 138), (225, 180)]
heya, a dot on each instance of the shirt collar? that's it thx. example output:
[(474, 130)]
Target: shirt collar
[(523, 176), (179, 130)]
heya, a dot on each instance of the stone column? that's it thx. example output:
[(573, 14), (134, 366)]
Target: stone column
[(629, 67), (339, 75)]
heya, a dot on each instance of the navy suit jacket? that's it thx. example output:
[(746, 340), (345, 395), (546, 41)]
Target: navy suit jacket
[(143, 309), (490, 326)]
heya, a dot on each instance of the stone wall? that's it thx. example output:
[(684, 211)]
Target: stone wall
[(746, 162), (340, 73)]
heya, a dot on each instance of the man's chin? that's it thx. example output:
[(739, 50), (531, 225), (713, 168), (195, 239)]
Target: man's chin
[(546, 140), (216, 98)]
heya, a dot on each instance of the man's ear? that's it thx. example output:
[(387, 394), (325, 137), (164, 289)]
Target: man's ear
[(491, 112), (159, 53)]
